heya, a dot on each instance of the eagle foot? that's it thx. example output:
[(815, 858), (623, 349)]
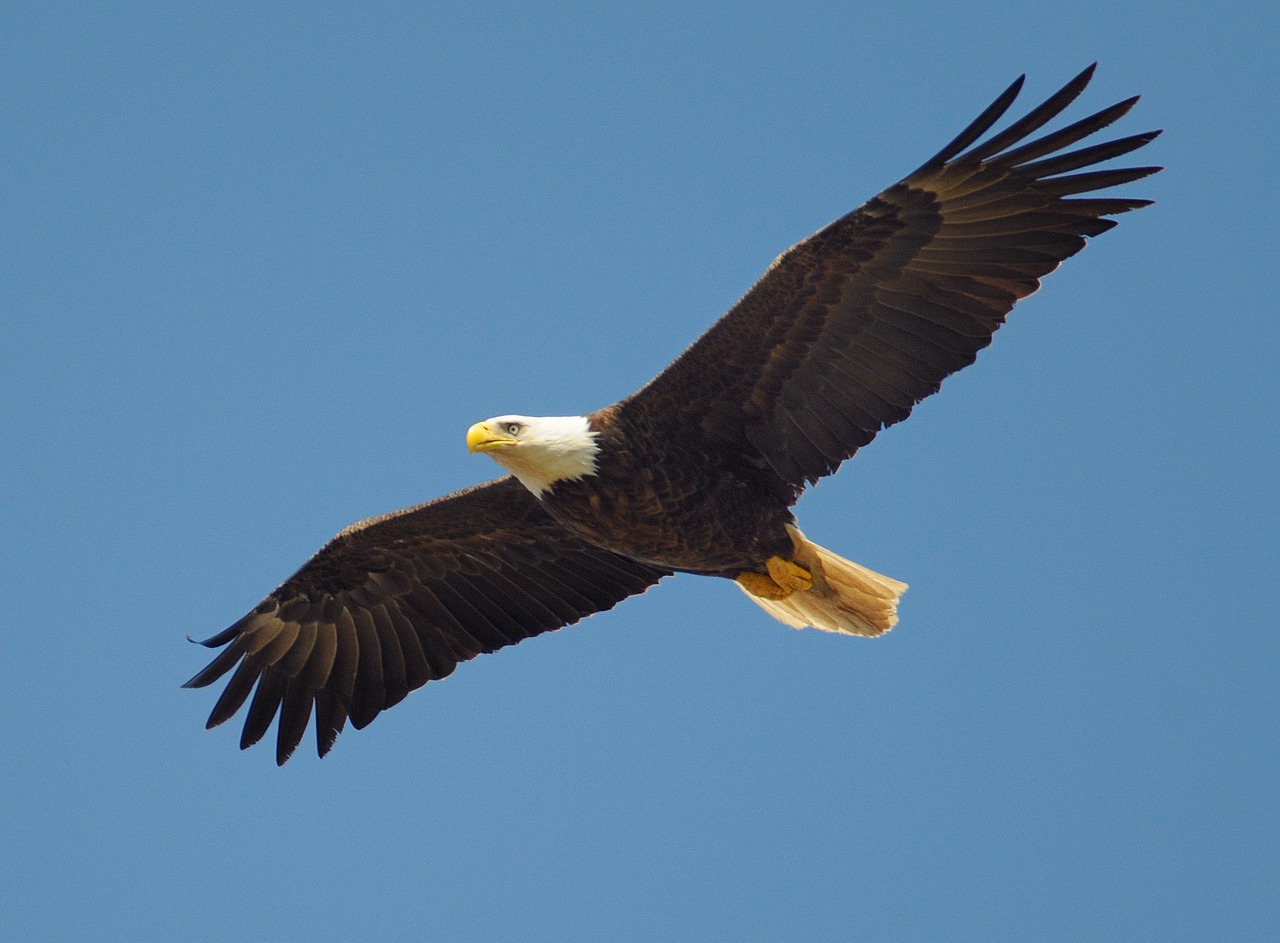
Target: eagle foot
[(790, 576), (783, 579)]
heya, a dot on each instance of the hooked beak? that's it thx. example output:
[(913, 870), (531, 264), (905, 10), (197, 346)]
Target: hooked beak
[(482, 437)]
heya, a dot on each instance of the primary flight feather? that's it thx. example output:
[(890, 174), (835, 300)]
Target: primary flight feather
[(696, 472)]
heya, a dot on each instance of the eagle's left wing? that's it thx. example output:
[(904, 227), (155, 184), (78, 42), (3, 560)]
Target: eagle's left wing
[(852, 327)]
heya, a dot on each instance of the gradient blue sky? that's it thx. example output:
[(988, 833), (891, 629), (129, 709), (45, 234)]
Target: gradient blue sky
[(264, 265)]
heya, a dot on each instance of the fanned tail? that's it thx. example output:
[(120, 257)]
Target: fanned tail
[(845, 597)]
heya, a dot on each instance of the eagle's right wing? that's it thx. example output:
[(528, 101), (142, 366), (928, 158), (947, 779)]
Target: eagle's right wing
[(396, 601)]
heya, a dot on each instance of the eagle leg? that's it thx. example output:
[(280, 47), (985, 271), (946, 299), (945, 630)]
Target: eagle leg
[(783, 579), (790, 576)]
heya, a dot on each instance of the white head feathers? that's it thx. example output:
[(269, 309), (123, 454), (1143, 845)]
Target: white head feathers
[(538, 450)]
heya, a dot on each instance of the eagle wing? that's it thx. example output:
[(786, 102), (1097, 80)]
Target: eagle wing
[(396, 601), (852, 327)]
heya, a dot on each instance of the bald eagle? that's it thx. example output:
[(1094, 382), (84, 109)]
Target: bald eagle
[(697, 472)]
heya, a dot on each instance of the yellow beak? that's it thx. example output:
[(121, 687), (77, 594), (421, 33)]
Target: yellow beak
[(482, 437)]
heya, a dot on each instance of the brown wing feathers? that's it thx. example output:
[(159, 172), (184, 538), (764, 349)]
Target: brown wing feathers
[(976, 232), (852, 327), (398, 601)]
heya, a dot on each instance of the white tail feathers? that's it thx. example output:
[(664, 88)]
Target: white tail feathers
[(845, 597)]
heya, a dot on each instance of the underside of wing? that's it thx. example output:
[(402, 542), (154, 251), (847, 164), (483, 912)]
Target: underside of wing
[(397, 601), (852, 327)]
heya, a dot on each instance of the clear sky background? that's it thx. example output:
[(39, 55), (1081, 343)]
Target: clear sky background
[(263, 265)]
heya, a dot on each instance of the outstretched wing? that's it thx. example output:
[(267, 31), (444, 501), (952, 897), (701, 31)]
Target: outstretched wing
[(852, 327), (396, 601)]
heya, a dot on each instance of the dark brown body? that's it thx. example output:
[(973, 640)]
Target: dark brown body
[(693, 509)]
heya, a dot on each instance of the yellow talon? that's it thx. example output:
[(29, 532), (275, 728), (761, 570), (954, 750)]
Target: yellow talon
[(791, 577), (783, 579), (761, 584)]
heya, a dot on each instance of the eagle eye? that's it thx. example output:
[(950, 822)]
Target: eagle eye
[(513, 428)]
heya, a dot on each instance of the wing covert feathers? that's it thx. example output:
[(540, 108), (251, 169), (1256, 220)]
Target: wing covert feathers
[(852, 327), (397, 601)]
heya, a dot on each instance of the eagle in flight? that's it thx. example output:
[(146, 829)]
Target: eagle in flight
[(698, 471)]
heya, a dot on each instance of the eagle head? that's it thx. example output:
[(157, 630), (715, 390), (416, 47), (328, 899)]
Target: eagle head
[(538, 450)]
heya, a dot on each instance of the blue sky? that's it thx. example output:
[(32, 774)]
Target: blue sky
[(264, 267)]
